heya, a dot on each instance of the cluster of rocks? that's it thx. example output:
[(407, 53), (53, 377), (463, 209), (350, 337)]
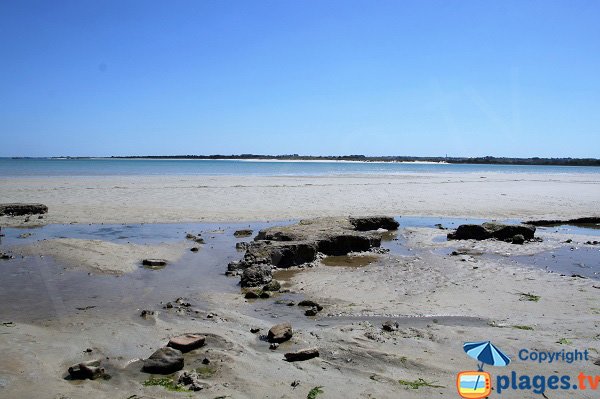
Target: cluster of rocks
[(5, 256), (283, 332), (298, 244), (517, 234), (313, 307), (166, 360), (18, 209), (197, 238)]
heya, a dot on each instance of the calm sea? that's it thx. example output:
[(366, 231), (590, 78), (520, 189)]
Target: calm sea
[(145, 167)]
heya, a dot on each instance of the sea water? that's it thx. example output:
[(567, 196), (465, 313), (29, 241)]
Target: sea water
[(10, 167)]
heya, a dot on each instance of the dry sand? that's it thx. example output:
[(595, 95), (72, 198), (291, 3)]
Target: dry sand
[(247, 198)]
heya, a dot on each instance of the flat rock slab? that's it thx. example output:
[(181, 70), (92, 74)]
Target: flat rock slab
[(187, 342), (492, 230), (164, 361), (154, 262), (280, 333), (303, 354), (243, 233), (22, 209)]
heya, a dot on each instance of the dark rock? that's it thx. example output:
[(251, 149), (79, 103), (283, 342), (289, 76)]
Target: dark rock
[(22, 209), (254, 330), (164, 361), (194, 249), (256, 276), (205, 361), (374, 223), (389, 326), (187, 342), (251, 295), (146, 313), (302, 354), (518, 239), (555, 222), (242, 246), (154, 262), (310, 303), (280, 333), (274, 285), (5, 256), (195, 237), (491, 230), (265, 295), (274, 346), (89, 370), (243, 233), (191, 381), (312, 311)]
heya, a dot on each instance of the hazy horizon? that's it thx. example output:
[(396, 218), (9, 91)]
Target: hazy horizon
[(427, 78)]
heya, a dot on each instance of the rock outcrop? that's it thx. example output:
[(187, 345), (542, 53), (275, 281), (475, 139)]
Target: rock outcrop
[(486, 231), (297, 244), (22, 209)]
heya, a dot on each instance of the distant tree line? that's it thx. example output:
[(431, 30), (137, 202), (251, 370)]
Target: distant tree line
[(455, 160)]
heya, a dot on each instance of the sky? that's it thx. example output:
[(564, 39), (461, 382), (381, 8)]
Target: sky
[(323, 77)]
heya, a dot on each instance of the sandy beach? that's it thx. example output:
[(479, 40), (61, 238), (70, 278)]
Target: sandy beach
[(170, 199), (75, 299)]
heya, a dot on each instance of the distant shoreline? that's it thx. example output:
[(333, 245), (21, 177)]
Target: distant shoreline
[(361, 159)]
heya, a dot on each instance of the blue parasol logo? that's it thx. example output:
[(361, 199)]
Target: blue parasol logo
[(486, 353)]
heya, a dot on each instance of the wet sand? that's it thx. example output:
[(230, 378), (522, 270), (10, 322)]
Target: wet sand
[(56, 307)]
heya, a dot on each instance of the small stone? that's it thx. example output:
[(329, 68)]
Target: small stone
[(191, 381), (273, 346), (265, 295), (295, 383), (169, 305), (280, 332), (205, 361), (194, 249), (254, 330), (86, 370), (312, 311), (389, 326), (518, 239), (154, 262), (187, 342), (147, 313), (303, 354), (310, 303), (89, 350)]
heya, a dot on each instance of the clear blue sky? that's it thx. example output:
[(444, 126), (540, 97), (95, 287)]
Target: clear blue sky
[(466, 78)]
